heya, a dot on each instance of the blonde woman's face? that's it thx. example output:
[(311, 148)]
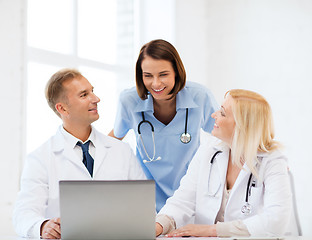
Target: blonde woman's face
[(224, 121)]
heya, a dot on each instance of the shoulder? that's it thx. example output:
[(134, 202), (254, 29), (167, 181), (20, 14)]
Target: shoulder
[(129, 95), (111, 142), (272, 163), (48, 146), (197, 88), (199, 92), (273, 157), (208, 148)]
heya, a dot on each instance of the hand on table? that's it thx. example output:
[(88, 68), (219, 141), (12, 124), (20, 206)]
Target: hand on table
[(51, 229), (194, 230)]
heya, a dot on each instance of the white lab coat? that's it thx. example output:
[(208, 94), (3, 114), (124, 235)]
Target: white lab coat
[(38, 199), (200, 195)]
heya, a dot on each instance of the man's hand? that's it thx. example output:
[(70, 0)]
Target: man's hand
[(51, 229)]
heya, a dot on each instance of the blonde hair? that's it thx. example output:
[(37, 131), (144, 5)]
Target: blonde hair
[(54, 90), (254, 129)]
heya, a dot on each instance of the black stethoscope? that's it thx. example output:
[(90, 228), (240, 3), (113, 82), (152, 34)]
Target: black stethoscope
[(246, 208), (184, 138)]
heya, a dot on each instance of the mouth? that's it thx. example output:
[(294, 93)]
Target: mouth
[(215, 126), (93, 109), (158, 90)]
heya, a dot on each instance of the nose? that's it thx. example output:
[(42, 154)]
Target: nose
[(156, 82), (95, 99)]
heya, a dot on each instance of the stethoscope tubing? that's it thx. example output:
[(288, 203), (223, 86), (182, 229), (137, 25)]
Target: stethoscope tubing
[(185, 137), (248, 189)]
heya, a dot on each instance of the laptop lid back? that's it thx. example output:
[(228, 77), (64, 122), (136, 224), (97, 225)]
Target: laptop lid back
[(107, 209)]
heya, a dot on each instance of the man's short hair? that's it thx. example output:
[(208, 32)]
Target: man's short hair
[(55, 91)]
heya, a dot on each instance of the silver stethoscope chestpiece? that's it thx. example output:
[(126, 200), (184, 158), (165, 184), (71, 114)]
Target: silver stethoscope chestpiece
[(246, 209), (185, 137)]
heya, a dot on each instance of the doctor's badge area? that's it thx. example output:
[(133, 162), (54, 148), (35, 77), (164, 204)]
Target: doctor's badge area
[(246, 208), (184, 138)]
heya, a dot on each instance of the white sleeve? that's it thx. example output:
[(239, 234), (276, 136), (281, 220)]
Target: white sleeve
[(274, 218), (181, 206), (233, 228), (29, 209), (135, 169)]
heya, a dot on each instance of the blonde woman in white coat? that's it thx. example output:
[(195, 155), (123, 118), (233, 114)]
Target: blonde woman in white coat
[(244, 189)]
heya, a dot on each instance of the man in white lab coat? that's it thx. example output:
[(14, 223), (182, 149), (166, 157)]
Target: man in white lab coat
[(71, 97)]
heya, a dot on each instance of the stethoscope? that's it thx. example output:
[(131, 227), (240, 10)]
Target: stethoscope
[(246, 208), (184, 138)]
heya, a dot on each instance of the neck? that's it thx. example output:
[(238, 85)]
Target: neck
[(164, 105), (80, 132), (165, 110)]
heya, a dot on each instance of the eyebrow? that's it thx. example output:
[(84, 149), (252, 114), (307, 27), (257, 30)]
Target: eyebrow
[(223, 108), (85, 91), (165, 71)]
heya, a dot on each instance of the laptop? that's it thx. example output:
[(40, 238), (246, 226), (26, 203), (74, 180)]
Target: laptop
[(107, 209)]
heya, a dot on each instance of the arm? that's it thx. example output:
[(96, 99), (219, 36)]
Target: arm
[(275, 215), (123, 117), (135, 170), (111, 134), (29, 210), (181, 206), (210, 106)]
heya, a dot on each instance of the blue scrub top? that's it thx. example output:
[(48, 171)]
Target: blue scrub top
[(175, 155)]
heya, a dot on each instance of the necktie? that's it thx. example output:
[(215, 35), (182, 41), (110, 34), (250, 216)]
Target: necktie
[(87, 159)]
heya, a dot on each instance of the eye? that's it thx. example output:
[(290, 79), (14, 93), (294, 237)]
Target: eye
[(163, 74), (147, 75), (222, 113), (83, 95)]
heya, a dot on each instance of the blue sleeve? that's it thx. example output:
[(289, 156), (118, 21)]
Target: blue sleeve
[(122, 120), (210, 107)]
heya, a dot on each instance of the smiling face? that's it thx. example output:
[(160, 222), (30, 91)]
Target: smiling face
[(80, 106), (158, 77), (224, 121)]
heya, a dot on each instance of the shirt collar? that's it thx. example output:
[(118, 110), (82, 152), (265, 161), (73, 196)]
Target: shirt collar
[(72, 141), (184, 100)]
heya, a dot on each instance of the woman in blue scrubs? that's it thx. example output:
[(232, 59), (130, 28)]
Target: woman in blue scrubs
[(175, 110)]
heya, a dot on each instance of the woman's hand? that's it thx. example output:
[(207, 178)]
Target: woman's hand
[(159, 229), (194, 230)]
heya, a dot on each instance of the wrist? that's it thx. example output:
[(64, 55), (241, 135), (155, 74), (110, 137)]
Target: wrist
[(212, 230), (159, 229)]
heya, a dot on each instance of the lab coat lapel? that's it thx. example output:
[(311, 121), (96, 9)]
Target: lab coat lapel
[(237, 195), (101, 151), (67, 153), (222, 163)]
